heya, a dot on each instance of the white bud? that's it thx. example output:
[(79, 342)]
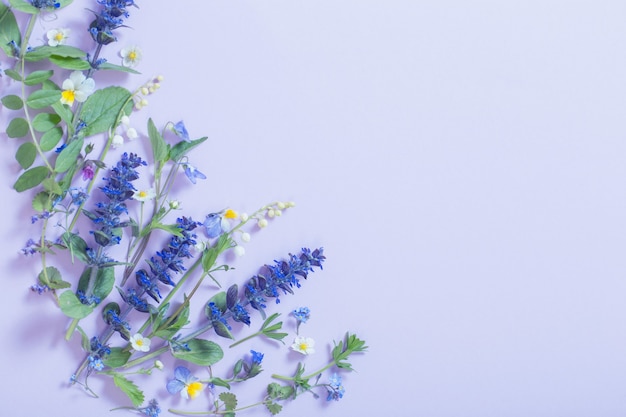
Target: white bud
[(270, 213), (144, 102), (158, 364), (244, 217), (144, 91), (160, 78), (125, 120), (200, 246), (291, 204), (174, 204), (278, 213), (280, 205), (245, 236), (239, 250), (132, 133), (262, 223), (117, 141)]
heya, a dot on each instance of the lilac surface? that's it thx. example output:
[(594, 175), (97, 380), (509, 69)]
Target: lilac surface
[(462, 163)]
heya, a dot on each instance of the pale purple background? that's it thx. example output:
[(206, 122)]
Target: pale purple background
[(462, 163)]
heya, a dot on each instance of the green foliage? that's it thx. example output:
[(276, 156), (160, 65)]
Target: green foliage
[(41, 202), (229, 399), (68, 156), (343, 350), (159, 148), (117, 358), (39, 99), (43, 122), (102, 109), (17, 128), (72, 307), (50, 139), (182, 148), (109, 66), (70, 63), (129, 388), (38, 77), (76, 245), (26, 154), (30, 178), (62, 51), (9, 30), (201, 352), (52, 278), (22, 6), (12, 102)]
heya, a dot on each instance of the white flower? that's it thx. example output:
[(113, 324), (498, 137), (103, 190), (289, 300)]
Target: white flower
[(304, 345), (245, 236), (239, 250), (132, 134), (144, 195), (262, 223), (159, 365), (77, 87), (57, 36), (117, 141), (131, 56), (140, 343)]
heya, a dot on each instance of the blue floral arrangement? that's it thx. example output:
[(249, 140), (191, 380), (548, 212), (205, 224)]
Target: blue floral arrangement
[(141, 300)]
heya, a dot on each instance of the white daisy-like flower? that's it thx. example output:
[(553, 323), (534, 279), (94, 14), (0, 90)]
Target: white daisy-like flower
[(144, 195), (140, 343), (58, 36), (304, 345), (77, 88), (131, 56)]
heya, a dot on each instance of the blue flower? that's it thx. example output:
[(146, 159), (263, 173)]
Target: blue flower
[(215, 224), (45, 4), (185, 383), (152, 410), (257, 357), (110, 18), (180, 130), (192, 172), (302, 314), (335, 388)]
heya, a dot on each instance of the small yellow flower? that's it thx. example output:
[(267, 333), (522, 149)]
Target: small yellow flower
[(230, 214)]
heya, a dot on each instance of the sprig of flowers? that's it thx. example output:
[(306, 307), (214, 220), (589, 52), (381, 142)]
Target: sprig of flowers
[(141, 299)]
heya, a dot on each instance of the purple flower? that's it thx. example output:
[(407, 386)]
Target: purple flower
[(180, 130), (192, 173)]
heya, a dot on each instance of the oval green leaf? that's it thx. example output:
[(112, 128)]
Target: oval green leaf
[(17, 128), (43, 98), (201, 352), (68, 156), (45, 121), (37, 77), (72, 307), (50, 139), (26, 154), (30, 178), (101, 109), (12, 102)]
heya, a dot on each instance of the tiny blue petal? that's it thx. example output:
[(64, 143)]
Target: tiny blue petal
[(213, 225), (181, 131)]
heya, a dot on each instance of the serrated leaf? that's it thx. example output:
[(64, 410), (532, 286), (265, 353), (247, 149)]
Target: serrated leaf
[(30, 178), (72, 307), (22, 6), (101, 109), (17, 128), (202, 352), (26, 154), (181, 148), (50, 139), (68, 156), (274, 408), (43, 98), (9, 30), (229, 399), (118, 357), (41, 202), (69, 63), (43, 122), (159, 148), (37, 77), (52, 278), (129, 388), (12, 102)]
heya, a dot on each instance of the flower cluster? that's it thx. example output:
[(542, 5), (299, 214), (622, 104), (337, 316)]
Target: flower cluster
[(91, 212)]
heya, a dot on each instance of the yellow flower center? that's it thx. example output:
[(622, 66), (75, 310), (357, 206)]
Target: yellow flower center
[(304, 346), (59, 36), (132, 55), (139, 342), (230, 214), (67, 96), (143, 194), (194, 389)]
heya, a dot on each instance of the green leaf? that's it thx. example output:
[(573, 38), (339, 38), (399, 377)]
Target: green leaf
[(22, 6), (76, 245), (118, 357), (219, 300), (13, 74), (45, 121), (202, 352), (105, 279), (181, 148), (65, 113), (41, 202), (70, 63), (159, 148), (101, 109), (12, 102), (72, 307), (278, 392), (50, 139), (68, 156), (52, 278), (229, 399), (273, 408), (43, 98), (17, 128), (9, 30), (30, 178), (64, 51), (26, 154), (130, 389), (37, 77), (109, 66), (53, 187)]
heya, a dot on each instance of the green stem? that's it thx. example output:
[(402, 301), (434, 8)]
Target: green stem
[(214, 413), (238, 342), (305, 377)]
